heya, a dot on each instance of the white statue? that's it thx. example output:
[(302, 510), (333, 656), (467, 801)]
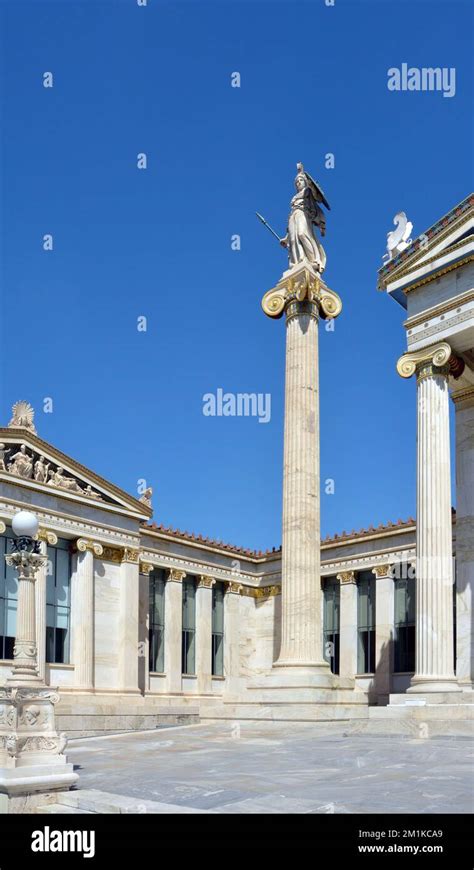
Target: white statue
[(21, 463), (57, 478), (22, 417), (89, 492), (398, 239), (145, 498), (41, 470), (300, 239), (3, 453)]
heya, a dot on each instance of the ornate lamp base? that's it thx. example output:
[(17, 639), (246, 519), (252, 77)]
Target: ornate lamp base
[(31, 751)]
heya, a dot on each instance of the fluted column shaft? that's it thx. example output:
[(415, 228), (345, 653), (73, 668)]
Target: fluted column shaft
[(84, 621), (434, 574), (174, 630), (204, 634), (301, 587), (464, 405)]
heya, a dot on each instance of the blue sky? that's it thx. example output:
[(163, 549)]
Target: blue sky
[(157, 242)]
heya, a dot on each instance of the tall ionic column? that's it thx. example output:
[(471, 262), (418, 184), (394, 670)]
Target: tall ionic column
[(348, 624), (204, 633), (83, 613), (302, 296), (232, 612), (129, 633), (434, 569), (45, 538), (464, 405), (384, 630), (174, 630)]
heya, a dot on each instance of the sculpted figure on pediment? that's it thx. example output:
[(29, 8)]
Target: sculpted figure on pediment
[(41, 470), (58, 478), (3, 453), (89, 492), (21, 463)]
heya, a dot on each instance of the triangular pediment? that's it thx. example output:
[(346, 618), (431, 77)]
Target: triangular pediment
[(447, 244), (27, 460)]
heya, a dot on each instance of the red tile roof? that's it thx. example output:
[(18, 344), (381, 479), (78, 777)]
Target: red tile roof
[(259, 554)]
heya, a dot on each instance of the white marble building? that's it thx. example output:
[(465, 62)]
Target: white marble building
[(136, 622)]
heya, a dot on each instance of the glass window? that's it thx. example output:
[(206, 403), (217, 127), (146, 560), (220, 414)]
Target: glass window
[(331, 610), (366, 623), (188, 654), (8, 599), (218, 630), (156, 631), (58, 602)]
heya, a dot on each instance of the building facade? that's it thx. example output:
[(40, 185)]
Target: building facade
[(136, 622)]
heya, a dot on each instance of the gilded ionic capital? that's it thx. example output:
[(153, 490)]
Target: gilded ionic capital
[(301, 290), (176, 576), (2, 527), (382, 571), (206, 582), (347, 577), (428, 361), (146, 568), (47, 537), (233, 588), (129, 554), (84, 544)]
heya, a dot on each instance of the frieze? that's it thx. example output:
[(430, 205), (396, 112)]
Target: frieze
[(75, 527)]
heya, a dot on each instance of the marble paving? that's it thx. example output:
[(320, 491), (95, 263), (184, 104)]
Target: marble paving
[(278, 767)]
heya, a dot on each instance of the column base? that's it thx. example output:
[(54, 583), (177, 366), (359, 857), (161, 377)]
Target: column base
[(422, 685)]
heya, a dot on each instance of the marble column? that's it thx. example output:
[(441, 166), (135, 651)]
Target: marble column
[(82, 613), (348, 624), (128, 639), (384, 631), (46, 538), (464, 407), (204, 634), (174, 630), (301, 631), (434, 569), (303, 297), (143, 627), (231, 638)]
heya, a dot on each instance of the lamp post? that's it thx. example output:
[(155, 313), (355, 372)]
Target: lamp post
[(31, 750), (27, 559)]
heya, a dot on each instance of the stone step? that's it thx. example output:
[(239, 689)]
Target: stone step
[(286, 712), (96, 801), (54, 809)]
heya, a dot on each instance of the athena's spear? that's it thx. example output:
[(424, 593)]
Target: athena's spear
[(267, 225)]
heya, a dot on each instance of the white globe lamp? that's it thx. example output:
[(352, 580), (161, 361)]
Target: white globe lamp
[(25, 524)]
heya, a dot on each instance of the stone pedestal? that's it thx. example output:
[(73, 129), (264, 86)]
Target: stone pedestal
[(31, 752), (434, 570)]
